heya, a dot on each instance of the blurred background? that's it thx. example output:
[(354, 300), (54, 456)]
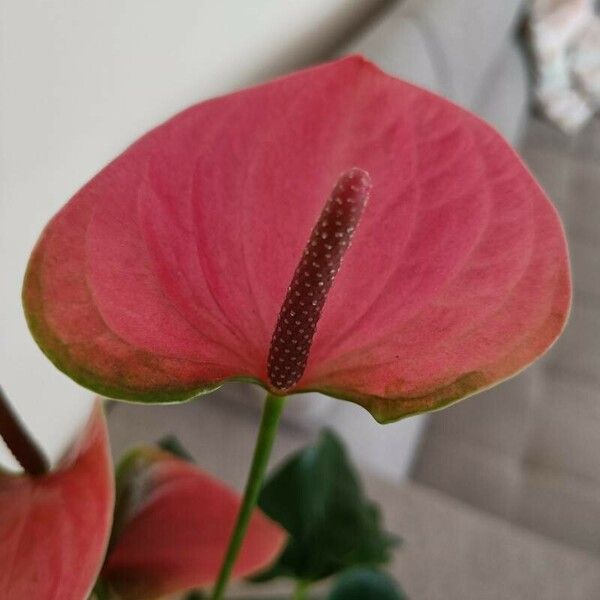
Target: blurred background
[(497, 497)]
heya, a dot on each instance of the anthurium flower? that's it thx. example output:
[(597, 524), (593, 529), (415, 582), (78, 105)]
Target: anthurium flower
[(169, 272), (54, 528), (172, 526)]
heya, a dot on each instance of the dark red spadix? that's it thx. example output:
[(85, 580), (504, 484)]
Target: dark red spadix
[(313, 278)]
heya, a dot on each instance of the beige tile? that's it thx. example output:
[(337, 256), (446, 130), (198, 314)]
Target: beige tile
[(542, 135), (474, 474), (498, 419), (451, 552), (582, 216), (577, 352), (585, 261), (564, 508), (566, 434), (587, 143), (551, 168)]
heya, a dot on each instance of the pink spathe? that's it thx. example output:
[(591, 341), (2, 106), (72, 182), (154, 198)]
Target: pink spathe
[(178, 523), (54, 528), (164, 275)]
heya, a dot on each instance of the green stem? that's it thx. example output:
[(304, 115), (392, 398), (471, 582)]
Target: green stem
[(101, 591), (264, 443), (18, 440), (301, 590)]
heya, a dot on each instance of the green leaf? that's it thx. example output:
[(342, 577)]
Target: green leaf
[(101, 591), (171, 443), (195, 595), (366, 584), (317, 497)]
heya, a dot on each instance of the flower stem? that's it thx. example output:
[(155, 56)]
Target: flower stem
[(18, 440), (264, 443), (300, 590)]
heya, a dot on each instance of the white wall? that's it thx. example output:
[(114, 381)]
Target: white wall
[(79, 80)]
